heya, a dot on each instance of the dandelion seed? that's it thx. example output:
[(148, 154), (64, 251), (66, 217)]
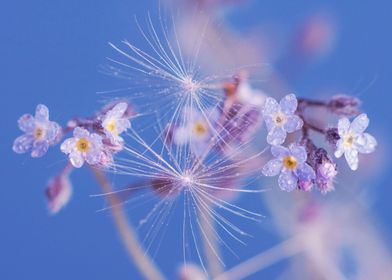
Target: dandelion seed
[(40, 133), (353, 140)]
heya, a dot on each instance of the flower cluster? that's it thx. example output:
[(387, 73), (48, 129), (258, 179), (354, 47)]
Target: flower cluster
[(94, 141), (303, 165)]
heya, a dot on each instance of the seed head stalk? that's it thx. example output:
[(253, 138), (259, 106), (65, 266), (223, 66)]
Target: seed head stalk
[(127, 234)]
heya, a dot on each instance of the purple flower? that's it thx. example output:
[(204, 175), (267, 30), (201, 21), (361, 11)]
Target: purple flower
[(40, 133), (291, 164), (82, 147), (353, 140), (59, 191), (115, 122), (280, 118)]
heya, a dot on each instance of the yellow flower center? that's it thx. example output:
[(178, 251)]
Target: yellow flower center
[(290, 162), (112, 127), (83, 145), (348, 140), (200, 129), (39, 133)]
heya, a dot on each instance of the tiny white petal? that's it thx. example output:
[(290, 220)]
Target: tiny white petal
[(339, 148), (360, 123), (68, 145), (299, 152), (293, 123), (366, 143), (343, 126), (351, 156), (271, 106), (76, 159), (288, 104), (287, 181), (276, 136), (279, 151), (272, 168)]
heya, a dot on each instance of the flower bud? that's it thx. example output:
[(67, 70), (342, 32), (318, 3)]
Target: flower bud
[(59, 191), (344, 105)]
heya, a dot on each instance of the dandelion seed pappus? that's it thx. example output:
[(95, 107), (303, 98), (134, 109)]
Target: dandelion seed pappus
[(194, 153)]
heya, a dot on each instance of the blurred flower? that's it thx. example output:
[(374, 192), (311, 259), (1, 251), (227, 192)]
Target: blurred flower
[(292, 166), (316, 36), (280, 118), (196, 131), (40, 133), (344, 105), (241, 113), (83, 147), (114, 123), (59, 191), (353, 139)]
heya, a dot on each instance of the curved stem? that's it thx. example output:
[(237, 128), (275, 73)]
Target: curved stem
[(128, 236), (281, 251)]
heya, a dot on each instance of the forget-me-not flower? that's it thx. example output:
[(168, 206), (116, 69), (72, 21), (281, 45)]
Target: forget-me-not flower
[(291, 164), (40, 133), (353, 140), (280, 118), (83, 146), (115, 122)]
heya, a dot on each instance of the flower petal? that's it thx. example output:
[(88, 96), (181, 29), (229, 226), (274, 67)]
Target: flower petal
[(52, 132), (94, 156), (68, 145), (81, 132), (293, 123), (299, 152), (287, 181), (339, 148), (343, 126), (123, 125), (276, 136), (119, 110), (360, 123), (39, 148), (42, 113), (23, 144), (351, 156), (288, 104), (366, 143), (305, 172), (279, 151), (272, 168), (270, 106), (76, 159), (269, 121), (26, 123)]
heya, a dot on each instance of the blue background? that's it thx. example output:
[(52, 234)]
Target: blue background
[(50, 53)]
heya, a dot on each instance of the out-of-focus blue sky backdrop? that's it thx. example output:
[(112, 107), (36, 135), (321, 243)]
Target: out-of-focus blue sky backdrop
[(50, 53)]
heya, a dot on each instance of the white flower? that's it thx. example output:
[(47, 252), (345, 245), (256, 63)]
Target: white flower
[(280, 118), (114, 123), (353, 139)]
